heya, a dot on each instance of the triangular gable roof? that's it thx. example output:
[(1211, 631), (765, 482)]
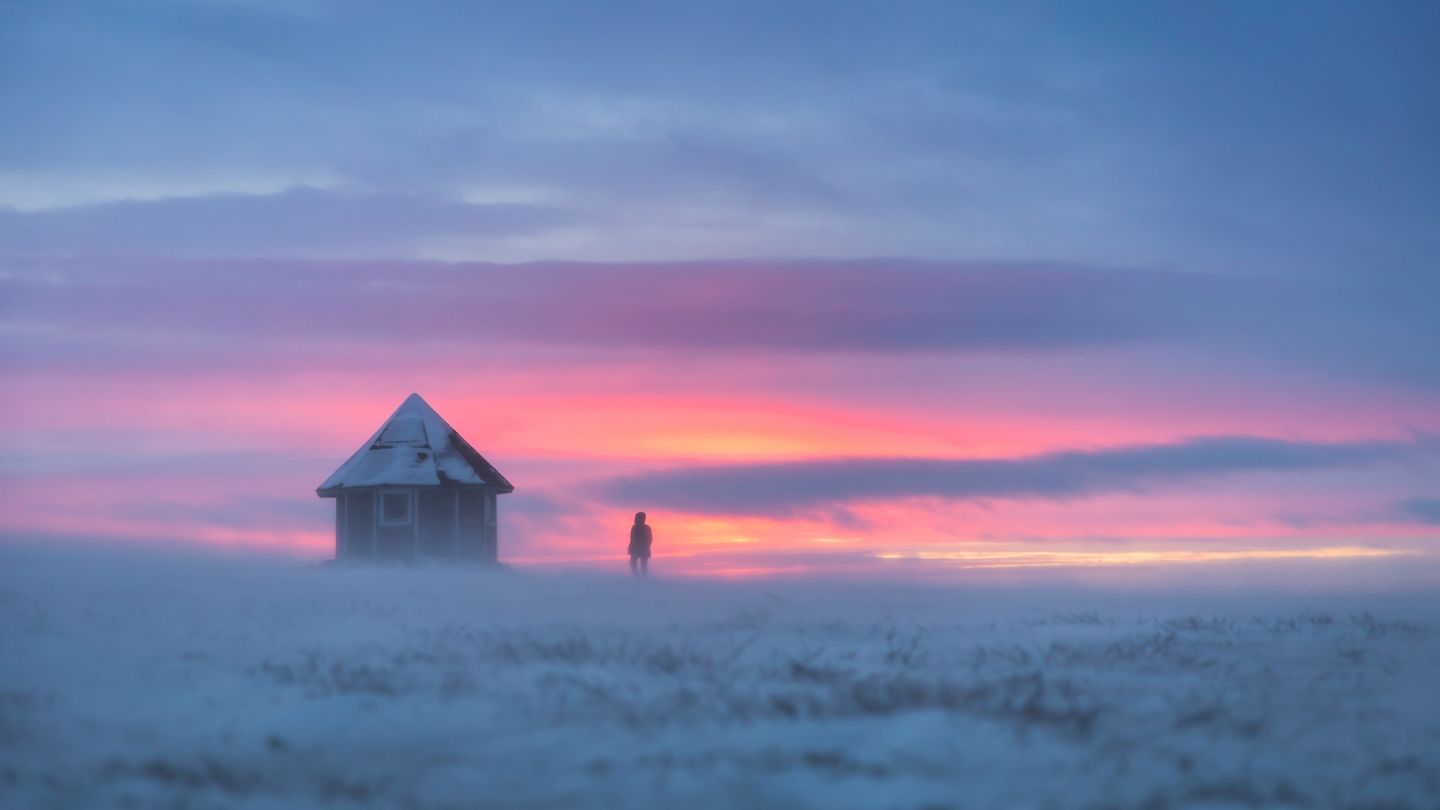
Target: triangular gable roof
[(415, 448)]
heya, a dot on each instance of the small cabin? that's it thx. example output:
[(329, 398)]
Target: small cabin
[(416, 490)]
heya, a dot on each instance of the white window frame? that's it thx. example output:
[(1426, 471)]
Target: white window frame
[(409, 507)]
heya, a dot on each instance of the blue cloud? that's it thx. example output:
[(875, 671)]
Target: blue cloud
[(784, 488), (1266, 137), (1420, 510)]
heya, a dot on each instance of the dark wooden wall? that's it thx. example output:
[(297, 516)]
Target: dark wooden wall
[(436, 530), (445, 523), (358, 537)]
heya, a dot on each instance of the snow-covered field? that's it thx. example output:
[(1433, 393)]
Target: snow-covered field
[(151, 681)]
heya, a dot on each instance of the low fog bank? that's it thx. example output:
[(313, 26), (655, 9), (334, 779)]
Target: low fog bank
[(62, 579), (236, 680), (1403, 575)]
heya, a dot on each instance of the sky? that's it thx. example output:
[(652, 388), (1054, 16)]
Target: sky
[(816, 285)]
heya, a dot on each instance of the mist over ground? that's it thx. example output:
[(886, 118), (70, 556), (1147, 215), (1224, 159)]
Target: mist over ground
[(145, 678)]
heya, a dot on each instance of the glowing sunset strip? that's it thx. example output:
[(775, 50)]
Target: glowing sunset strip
[(1025, 559)]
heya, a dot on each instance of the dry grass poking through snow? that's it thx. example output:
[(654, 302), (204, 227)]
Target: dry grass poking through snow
[(204, 683)]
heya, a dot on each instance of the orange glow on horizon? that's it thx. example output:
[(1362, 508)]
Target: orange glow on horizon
[(515, 415)]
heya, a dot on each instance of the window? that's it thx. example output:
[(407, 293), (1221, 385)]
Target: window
[(394, 508)]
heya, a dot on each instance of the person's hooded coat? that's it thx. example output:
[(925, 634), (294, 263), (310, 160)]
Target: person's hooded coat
[(640, 540)]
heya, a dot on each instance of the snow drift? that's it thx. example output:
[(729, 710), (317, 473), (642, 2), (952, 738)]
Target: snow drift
[(149, 680)]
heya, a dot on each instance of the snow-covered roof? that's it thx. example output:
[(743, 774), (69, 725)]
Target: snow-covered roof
[(415, 447)]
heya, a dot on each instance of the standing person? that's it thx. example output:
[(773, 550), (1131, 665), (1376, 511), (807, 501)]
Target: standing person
[(640, 539)]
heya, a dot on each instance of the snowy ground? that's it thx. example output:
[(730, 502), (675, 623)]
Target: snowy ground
[(193, 682)]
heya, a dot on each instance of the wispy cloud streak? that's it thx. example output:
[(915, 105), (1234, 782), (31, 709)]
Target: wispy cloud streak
[(299, 221)]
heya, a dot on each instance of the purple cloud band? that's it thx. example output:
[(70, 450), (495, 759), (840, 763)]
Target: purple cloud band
[(886, 306), (864, 305)]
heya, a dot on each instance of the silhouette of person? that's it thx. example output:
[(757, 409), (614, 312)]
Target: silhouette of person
[(640, 539)]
